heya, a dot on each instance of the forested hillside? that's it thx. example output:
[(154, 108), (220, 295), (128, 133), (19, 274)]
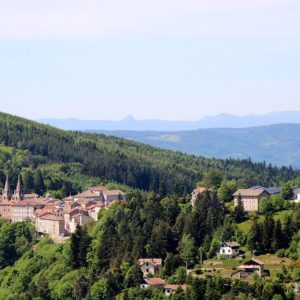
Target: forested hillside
[(277, 144), (76, 154)]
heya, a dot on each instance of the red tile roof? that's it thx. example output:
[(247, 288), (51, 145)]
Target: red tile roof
[(51, 217), (155, 281), (175, 287), (33, 202)]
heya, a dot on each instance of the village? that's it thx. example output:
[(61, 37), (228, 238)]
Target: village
[(59, 218), (53, 217)]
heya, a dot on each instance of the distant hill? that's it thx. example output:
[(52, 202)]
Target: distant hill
[(114, 159), (277, 144), (219, 121)]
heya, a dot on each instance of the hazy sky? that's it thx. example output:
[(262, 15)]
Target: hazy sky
[(169, 59)]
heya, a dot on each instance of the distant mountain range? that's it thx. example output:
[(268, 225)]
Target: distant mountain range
[(219, 121), (277, 144)]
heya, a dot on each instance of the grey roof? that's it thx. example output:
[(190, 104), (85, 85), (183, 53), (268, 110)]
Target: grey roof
[(232, 244), (270, 190), (273, 190)]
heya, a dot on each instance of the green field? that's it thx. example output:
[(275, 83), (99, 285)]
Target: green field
[(245, 226)]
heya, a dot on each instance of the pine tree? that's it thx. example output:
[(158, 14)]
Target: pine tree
[(288, 230), (277, 240), (254, 237), (239, 211), (268, 227), (80, 242), (84, 244)]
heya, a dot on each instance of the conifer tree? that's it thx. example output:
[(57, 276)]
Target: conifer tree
[(239, 211), (254, 237), (277, 240), (268, 227), (288, 230), (80, 242)]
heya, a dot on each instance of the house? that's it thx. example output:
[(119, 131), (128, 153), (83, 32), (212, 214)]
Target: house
[(296, 197), (80, 219), (250, 268), (171, 288), (50, 223), (75, 214), (250, 198), (153, 282), (113, 195), (94, 210), (24, 209), (99, 193), (229, 250), (199, 191), (150, 266)]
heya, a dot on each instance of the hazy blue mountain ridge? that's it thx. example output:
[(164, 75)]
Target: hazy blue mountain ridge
[(277, 144), (219, 121)]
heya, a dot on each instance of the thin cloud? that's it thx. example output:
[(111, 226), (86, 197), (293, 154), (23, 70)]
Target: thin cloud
[(89, 19)]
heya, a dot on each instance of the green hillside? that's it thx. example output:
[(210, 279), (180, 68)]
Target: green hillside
[(115, 159), (276, 144)]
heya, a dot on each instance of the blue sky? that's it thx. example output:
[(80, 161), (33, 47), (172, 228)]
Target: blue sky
[(168, 59)]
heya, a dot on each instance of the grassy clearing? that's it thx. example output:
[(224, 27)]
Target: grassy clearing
[(225, 267), (275, 264), (6, 149), (245, 226)]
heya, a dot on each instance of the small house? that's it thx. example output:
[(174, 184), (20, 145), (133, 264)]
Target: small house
[(229, 250), (250, 267), (150, 266), (153, 282), (171, 288)]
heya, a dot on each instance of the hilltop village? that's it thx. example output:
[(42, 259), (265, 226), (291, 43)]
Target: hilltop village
[(56, 218)]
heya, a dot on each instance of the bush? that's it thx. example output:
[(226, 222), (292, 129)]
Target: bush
[(198, 269), (280, 253)]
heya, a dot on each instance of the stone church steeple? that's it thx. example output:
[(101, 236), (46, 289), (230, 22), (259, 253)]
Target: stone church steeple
[(18, 195), (7, 191)]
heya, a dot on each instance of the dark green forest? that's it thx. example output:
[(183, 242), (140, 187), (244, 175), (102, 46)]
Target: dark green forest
[(74, 158)]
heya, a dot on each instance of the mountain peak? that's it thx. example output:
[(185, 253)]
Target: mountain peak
[(129, 118)]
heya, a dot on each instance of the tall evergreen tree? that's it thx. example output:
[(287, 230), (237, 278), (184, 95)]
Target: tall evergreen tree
[(254, 237), (268, 228), (239, 212), (277, 240), (79, 244), (39, 185)]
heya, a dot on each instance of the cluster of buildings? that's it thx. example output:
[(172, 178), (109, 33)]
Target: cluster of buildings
[(54, 217), (152, 266), (249, 197)]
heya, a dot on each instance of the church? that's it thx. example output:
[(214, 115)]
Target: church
[(10, 203)]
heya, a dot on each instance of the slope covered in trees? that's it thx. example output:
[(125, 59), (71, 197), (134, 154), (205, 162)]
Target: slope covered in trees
[(277, 144), (114, 159)]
